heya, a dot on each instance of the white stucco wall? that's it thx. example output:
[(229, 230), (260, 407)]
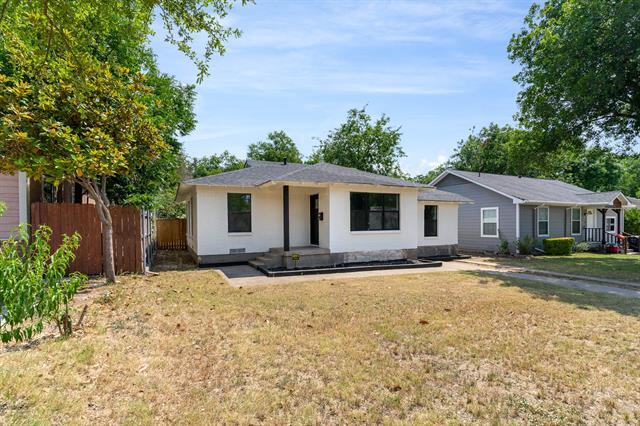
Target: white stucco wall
[(266, 219), (447, 224), (342, 239)]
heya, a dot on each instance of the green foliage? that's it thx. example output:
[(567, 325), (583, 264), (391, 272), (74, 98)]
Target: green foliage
[(526, 245), (503, 247), (580, 70), (632, 221), (277, 147), (3, 208), (33, 286), (362, 144), (581, 247), (558, 246), (214, 164)]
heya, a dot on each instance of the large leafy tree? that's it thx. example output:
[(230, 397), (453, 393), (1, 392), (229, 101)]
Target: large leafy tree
[(277, 147), (214, 164), (362, 143), (76, 88), (580, 67)]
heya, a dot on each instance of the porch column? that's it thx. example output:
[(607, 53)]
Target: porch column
[(285, 216)]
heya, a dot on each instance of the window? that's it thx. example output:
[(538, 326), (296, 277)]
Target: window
[(610, 224), (375, 212), (430, 221), (543, 221), (239, 212), (489, 218), (576, 221)]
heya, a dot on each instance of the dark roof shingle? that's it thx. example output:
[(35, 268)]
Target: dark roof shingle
[(538, 190), (257, 173)]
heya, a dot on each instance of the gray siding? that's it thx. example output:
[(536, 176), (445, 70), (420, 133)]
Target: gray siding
[(469, 238), (559, 223)]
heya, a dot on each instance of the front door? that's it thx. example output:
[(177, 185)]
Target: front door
[(314, 223)]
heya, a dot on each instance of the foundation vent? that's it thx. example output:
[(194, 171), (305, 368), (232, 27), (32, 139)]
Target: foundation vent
[(237, 250)]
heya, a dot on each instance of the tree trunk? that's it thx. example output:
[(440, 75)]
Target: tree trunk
[(99, 195), (107, 255)]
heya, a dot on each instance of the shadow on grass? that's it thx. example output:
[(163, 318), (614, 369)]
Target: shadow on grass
[(583, 299)]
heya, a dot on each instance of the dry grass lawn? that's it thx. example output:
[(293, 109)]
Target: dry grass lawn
[(183, 347)]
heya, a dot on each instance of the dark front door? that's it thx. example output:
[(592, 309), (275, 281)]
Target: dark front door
[(315, 224)]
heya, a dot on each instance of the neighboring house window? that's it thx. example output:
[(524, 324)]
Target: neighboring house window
[(375, 212), (430, 221), (610, 224), (576, 221), (543, 221), (489, 219), (239, 212)]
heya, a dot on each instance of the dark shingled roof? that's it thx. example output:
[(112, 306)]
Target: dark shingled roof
[(257, 173), (438, 195), (537, 190)]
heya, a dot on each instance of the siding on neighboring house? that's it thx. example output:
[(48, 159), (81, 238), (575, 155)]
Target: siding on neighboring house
[(13, 194), (469, 238), (559, 222)]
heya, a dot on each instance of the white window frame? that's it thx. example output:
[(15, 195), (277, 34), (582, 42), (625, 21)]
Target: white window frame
[(615, 223), (580, 220), (538, 221), (482, 222)]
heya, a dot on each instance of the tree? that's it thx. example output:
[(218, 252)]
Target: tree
[(214, 164), (580, 70), (362, 144), (33, 286), (75, 93), (277, 147), (504, 150)]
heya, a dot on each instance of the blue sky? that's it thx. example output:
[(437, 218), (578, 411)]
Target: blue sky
[(436, 68)]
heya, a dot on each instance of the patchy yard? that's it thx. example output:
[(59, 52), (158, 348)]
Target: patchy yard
[(624, 267), (184, 347)]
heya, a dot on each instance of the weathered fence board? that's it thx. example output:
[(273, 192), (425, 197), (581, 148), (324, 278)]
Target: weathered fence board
[(171, 234), (82, 218)]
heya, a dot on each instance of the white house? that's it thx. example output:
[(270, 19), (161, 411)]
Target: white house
[(312, 215), (14, 194)]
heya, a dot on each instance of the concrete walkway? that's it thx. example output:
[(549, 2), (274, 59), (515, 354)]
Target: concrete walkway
[(245, 276)]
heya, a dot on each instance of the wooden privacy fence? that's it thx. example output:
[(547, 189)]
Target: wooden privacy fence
[(171, 234), (82, 218)]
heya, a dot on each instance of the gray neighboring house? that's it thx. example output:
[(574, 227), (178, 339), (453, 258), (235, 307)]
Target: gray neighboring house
[(510, 207)]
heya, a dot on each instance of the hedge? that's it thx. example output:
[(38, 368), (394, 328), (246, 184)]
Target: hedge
[(558, 246)]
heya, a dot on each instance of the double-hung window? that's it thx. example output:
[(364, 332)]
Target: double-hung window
[(239, 212), (375, 212), (576, 221), (489, 222), (430, 221), (610, 224), (543, 221)]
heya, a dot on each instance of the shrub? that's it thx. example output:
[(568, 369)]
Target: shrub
[(558, 246), (503, 248), (34, 288), (526, 244), (582, 247), (632, 221)]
